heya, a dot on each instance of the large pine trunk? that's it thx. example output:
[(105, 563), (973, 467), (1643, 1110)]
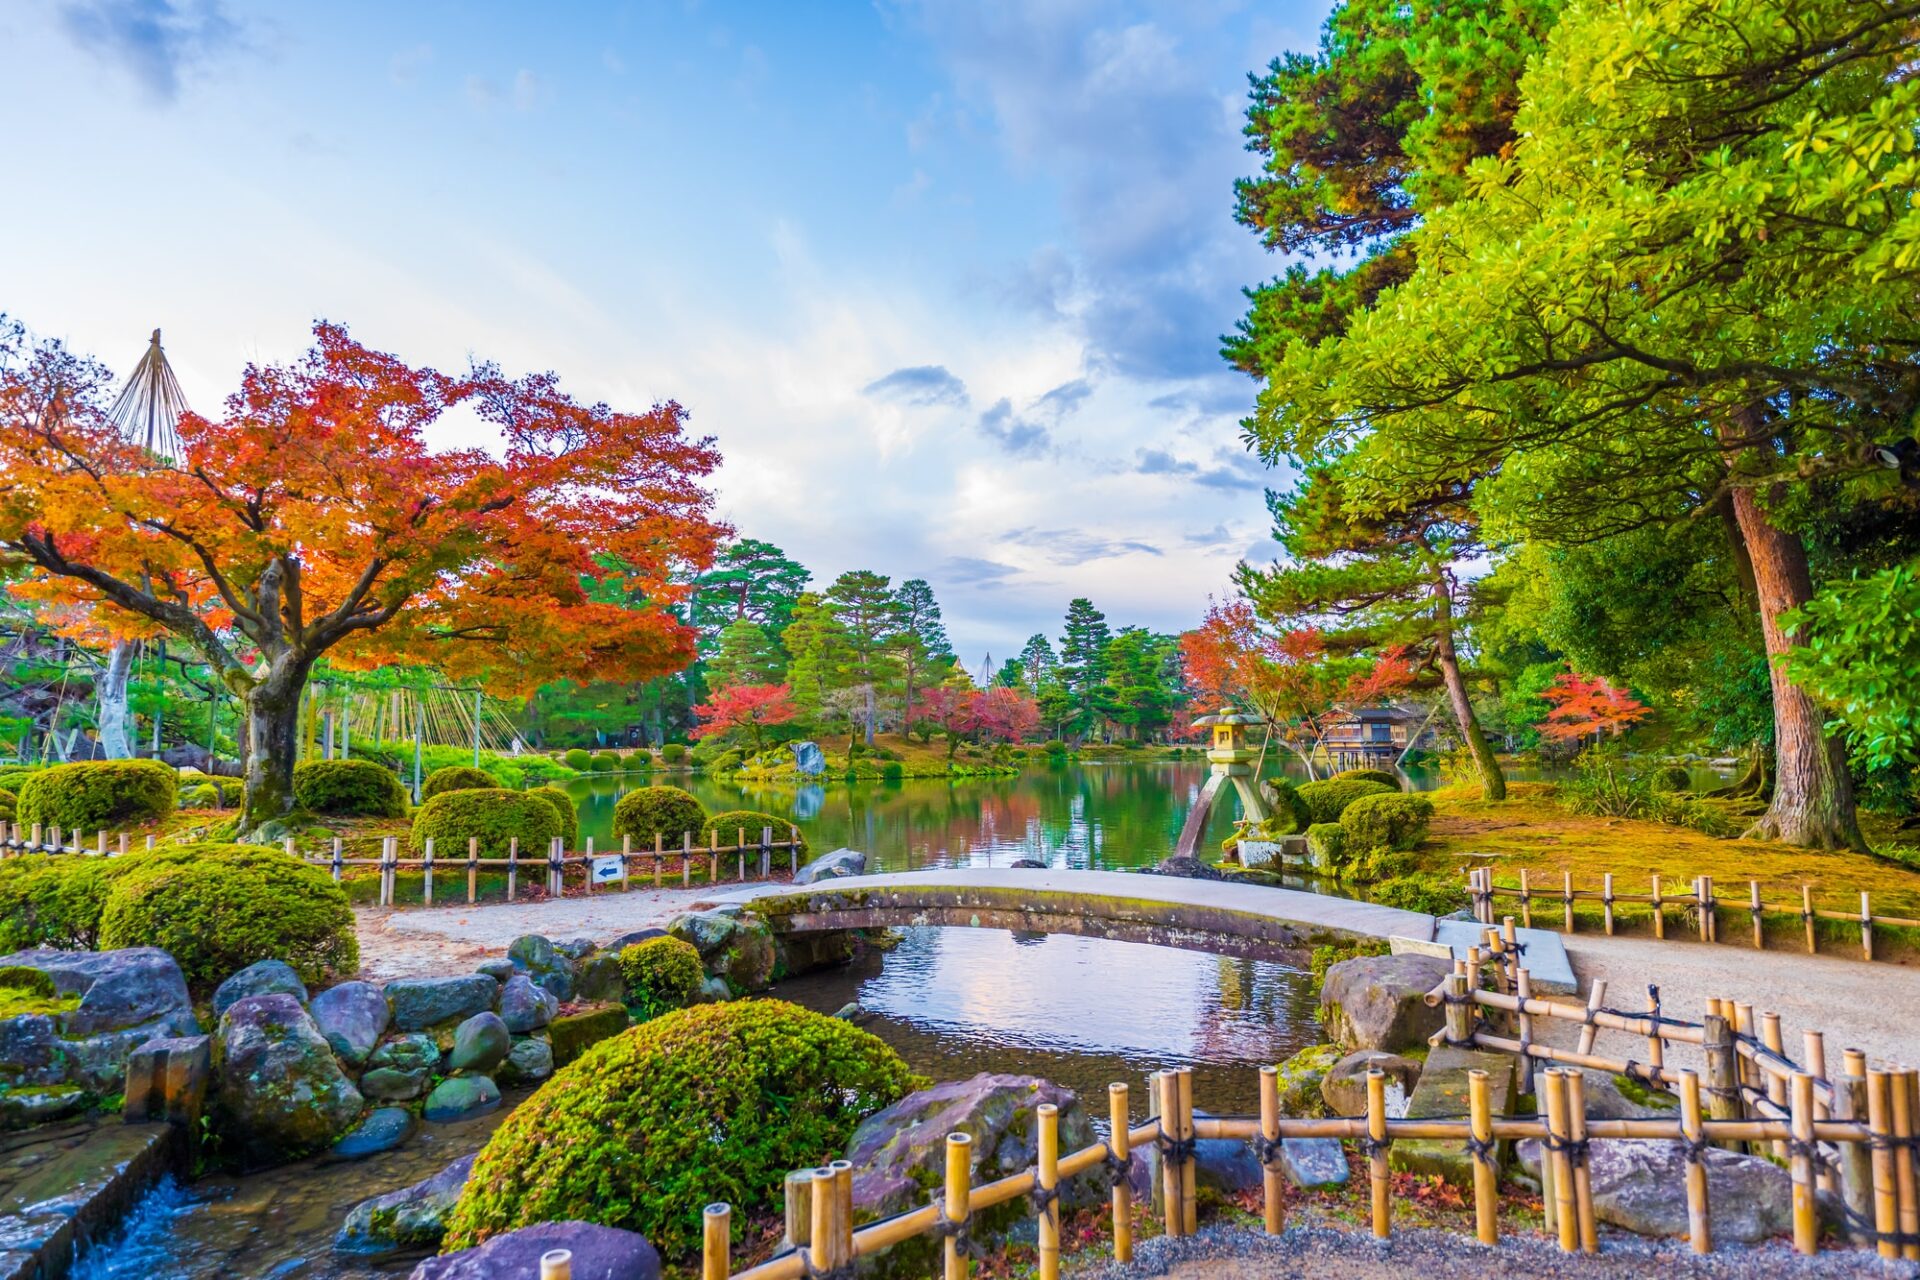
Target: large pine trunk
[(110, 703), (1493, 783), (1812, 794)]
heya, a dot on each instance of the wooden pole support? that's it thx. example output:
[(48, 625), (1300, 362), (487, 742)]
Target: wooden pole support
[(1596, 997), (842, 1171), (821, 1235), (1774, 1042), (1606, 898), (1806, 915), (1048, 1176), (1459, 1011), (1866, 927), (1120, 1121), (1553, 1092), (426, 877), (1699, 1223), (1806, 1222), (1659, 911), (716, 1236), (1486, 1177), (1189, 1168), (959, 1202), (556, 1264), (473, 869), (1377, 1153), (1566, 896), (1886, 1193), (513, 864), (1900, 1087), (1172, 1214), (1856, 1158), (1272, 1185), (1576, 1082)]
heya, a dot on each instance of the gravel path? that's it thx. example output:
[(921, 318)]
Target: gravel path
[(1326, 1253)]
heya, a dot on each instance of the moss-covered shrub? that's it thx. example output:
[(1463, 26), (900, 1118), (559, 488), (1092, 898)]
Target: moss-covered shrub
[(893, 771), (55, 900), (204, 796), (1671, 777), (1380, 776), (1290, 815), (663, 974), (717, 1102), (459, 777), (9, 805), (606, 762), (1389, 821), (1434, 894), (728, 761), (563, 806), (494, 816), (349, 788), (1327, 845), (99, 795), (13, 776), (578, 758), (1054, 747), (673, 752), (666, 812), (219, 908), (1328, 799), (750, 821)]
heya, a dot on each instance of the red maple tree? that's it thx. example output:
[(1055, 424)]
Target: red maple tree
[(1586, 706), (747, 707), (314, 518), (1005, 715), (953, 710)]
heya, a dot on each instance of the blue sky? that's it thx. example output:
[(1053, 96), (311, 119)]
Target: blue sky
[(944, 278)]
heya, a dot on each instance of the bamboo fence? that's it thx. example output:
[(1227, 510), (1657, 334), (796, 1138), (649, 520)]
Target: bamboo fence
[(1851, 1131), (552, 864), (1701, 899)]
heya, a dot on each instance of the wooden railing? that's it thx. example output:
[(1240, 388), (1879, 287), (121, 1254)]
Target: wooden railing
[(1701, 899), (17, 839)]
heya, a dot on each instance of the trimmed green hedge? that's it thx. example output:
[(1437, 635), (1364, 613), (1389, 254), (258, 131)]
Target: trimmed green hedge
[(218, 908), (606, 762), (55, 900), (204, 796), (1384, 823), (578, 758), (673, 752), (751, 820), (99, 795), (717, 1102), (493, 814), (663, 974), (562, 806), (459, 777), (1380, 776), (1327, 800), (658, 810), (9, 805), (349, 788)]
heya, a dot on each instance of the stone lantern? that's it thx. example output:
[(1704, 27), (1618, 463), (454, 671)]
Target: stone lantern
[(1232, 759)]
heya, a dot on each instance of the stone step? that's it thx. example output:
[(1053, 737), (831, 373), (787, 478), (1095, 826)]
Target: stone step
[(1443, 1092), (1543, 954)]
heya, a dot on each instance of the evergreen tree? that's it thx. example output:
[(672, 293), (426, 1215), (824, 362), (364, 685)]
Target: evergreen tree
[(922, 640), (746, 655), (869, 618), (1011, 675), (1037, 662), (749, 579), (816, 641), (1083, 664), (1143, 680)]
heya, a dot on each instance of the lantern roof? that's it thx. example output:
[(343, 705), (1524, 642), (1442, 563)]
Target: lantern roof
[(1226, 715)]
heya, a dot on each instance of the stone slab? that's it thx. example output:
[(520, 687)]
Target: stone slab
[(1545, 954), (61, 1188), (1442, 1092)]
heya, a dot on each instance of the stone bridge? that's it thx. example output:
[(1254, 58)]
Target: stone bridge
[(1222, 917)]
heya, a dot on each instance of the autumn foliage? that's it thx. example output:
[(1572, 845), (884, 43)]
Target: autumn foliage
[(1588, 707), (747, 708), (996, 714)]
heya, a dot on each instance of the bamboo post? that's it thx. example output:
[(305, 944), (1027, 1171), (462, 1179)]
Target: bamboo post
[(149, 844), (1656, 1048), (1049, 1181), (821, 1234), (843, 1211), (1553, 1091), (1377, 1153), (589, 866), (1659, 911), (426, 876), (1743, 1028), (1596, 996), (713, 857), (1459, 1013), (513, 864), (1699, 1223), (1566, 896), (716, 1221), (793, 849), (556, 1264), (1900, 1085), (1606, 898), (1806, 914), (1806, 1223), (797, 1187), (1866, 927), (1486, 1189), (1886, 1191), (1759, 932), (1576, 1081), (1523, 988), (1856, 1163), (339, 863), (1271, 1187), (740, 848), (766, 852), (1526, 900), (1776, 1087), (1189, 1170), (1813, 1056), (100, 844), (1723, 1070), (659, 852), (1703, 899), (1119, 1120), (959, 1201), (473, 869), (1172, 1213), (686, 858)]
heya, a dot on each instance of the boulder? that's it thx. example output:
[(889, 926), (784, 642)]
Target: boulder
[(1639, 1186), (599, 977), (1313, 1162), (733, 946), (119, 990), (411, 1218), (832, 866), (575, 949), (572, 1034), (528, 1062), (1028, 864), (280, 1091), (1187, 867), (525, 1007), (1344, 1088), (715, 991), (705, 931), (419, 1003), (261, 978), (1611, 1097), (352, 1016), (1443, 1091), (543, 962), (1379, 1002), (384, 1129), (626, 940), (599, 1253), (1300, 1078), (167, 1081), (899, 1152), (461, 1098), (499, 968), (407, 1052), (479, 1045), (392, 1084)]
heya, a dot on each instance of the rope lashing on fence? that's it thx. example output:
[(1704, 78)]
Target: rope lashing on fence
[(845, 1271), (958, 1230), (1118, 1172), (1266, 1150), (1576, 1148), (1482, 1152), (1176, 1150), (1041, 1197), (1371, 1146)]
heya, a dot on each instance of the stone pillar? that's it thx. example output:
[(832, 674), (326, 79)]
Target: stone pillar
[(167, 1081)]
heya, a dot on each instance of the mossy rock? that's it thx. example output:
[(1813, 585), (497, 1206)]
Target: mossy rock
[(1300, 1078), (572, 1034)]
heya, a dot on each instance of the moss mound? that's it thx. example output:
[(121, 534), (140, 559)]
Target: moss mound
[(663, 974), (459, 777), (1391, 821), (751, 820), (349, 788), (606, 762), (9, 805), (1380, 776), (673, 752), (494, 816), (1328, 799), (578, 758), (55, 900), (716, 1102), (1327, 845), (564, 808), (98, 795), (217, 908), (204, 796), (667, 812)]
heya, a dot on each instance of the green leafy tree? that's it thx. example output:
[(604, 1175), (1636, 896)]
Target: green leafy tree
[(1010, 675), (1143, 680), (815, 639), (746, 654), (1082, 670), (749, 579), (1859, 652), (869, 617)]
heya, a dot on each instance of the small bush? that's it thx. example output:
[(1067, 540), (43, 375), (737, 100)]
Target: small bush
[(1380, 776), (99, 795), (13, 776), (459, 777), (349, 788), (1327, 845), (495, 816), (9, 805), (1290, 815), (1435, 895), (639, 760), (1672, 778), (892, 771), (578, 759), (55, 900), (1054, 747), (728, 761), (564, 807), (717, 1102), (750, 821), (606, 762), (204, 796), (1328, 799), (663, 974), (673, 752), (1388, 821), (664, 811), (218, 908)]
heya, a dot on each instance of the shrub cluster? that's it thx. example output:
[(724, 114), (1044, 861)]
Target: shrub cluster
[(98, 795), (1290, 814), (55, 900), (663, 974), (664, 811), (606, 762), (1327, 845), (673, 752), (563, 807), (1387, 821), (645, 1128), (9, 805), (493, 815), (728, 761), (1380, 776), (578, 758), (1328, 799), (750, 821), (459, 777), (204, 796), (217, 908), (349, 788)]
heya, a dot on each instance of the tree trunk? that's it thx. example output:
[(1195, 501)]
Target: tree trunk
[(273, 744), (1812, 794), (1493, 783), (872, 712), (110, 696)]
